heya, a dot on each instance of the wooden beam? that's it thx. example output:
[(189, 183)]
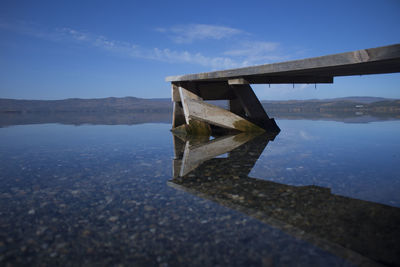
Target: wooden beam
[(175, 93), (237, 81), (199, 110), (215, 91), (236, 107), (383, 59), (178, 117), (193, 125), (186, 96), (253, 108), (288, 79)]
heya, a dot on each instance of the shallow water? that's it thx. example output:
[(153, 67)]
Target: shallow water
[(322, 193)]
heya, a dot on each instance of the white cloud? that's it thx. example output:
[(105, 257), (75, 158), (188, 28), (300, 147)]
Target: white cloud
[(256, 52), (80, 36), (135, 51), (30, 29), (246, 53), (195, 58), (249, 48), (191, 32)]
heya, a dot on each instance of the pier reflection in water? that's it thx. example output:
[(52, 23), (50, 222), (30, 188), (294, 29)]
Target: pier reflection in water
[(354, 229)]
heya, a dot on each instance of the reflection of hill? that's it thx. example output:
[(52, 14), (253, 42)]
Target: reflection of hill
[(344, 105), (111, 110), (78, 118), (352, 117), (361, 109), (127, 118), (342, 225), (103, 105)]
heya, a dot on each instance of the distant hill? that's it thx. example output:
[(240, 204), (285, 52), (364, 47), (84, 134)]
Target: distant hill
[(359, 99), (355, 99), (109, 104), (345, 104), (141, 105), (132, 110)]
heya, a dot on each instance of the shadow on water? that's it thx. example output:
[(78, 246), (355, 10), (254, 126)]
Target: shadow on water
[(218, 170)]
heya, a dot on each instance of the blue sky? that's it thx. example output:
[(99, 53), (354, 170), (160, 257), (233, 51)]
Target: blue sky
[(93, 49)]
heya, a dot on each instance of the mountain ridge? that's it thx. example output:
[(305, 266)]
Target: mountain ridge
[(135, 104)]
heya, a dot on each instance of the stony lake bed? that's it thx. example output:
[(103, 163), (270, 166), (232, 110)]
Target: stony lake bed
[(320, 193)]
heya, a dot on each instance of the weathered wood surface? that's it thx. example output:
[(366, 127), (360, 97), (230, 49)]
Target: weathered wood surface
[(175, 93), (377, 60), (253, 107), (178, 117), (193, 125), (236, 107), (237, 81), (186, 96), (195, 108)]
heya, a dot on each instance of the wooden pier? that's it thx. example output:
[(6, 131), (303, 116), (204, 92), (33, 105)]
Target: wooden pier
[(193, 116)]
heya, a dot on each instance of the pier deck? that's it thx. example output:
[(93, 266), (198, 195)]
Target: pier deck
[(193, 116)]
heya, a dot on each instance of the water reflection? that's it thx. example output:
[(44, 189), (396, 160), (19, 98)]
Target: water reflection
[(79, 118), (131, 118), (355, 229)]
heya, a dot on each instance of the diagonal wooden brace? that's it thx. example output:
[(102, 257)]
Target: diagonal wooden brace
[(196, 110), (253, 108)]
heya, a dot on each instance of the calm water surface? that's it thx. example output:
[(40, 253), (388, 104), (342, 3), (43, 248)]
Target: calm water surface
[(320, 194)]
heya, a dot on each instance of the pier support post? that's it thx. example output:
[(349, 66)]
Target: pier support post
[(193, 116), (182, 123), (253, 108)]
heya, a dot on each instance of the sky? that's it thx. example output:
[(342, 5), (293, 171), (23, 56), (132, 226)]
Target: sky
[(94, 49)]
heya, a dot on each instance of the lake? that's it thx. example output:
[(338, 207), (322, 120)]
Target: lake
[(320, 193)]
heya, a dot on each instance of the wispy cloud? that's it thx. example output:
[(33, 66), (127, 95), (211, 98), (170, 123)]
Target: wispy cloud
[(192, 32), (249, 48), (136, 51), (31, 29), (79, 36), (256, 52), (245, 53), (195, 58)]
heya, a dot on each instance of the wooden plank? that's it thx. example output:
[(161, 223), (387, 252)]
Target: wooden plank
[(289, 79), (185, 96), (384, 59), (193, 126), (175, 93), (208, 90), (253, 107), (236, 107), (215, 91), (250, 102), (199, 110), (178, 117), (237, 81)]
